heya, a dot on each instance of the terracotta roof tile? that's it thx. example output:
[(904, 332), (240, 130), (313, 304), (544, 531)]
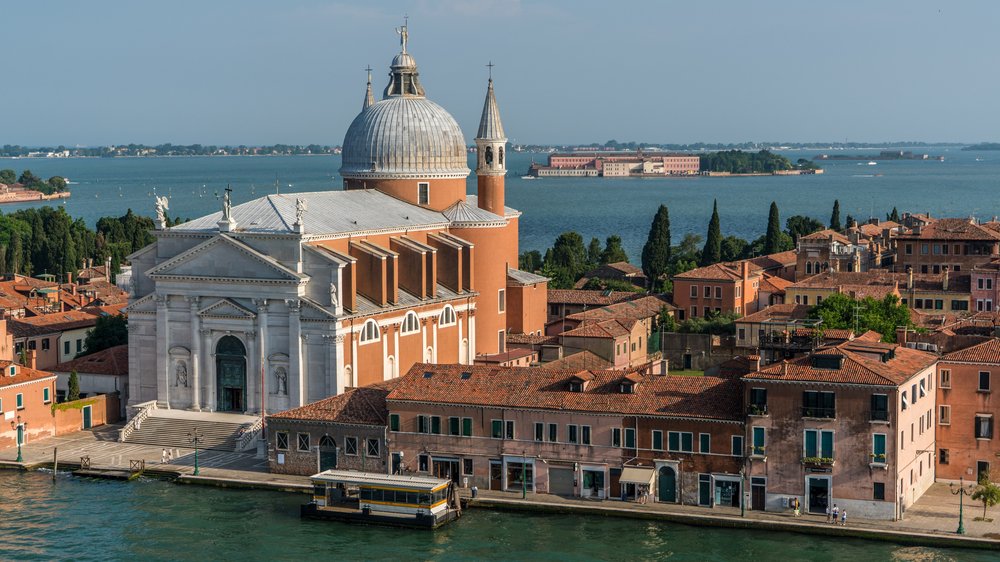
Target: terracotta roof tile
[(858, 367), (637, 309), (110, 361), (826, 235), (589, 298), (718, 271), (583, 360), (954, 229), (365, 406), (702, 397), (530, 339), (776, 261), (986, 352), (23, 374), (786, 311)]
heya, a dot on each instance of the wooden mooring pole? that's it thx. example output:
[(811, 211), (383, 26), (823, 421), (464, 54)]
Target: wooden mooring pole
[(55, 462)]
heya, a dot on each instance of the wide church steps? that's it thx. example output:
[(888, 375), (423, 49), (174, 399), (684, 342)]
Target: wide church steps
[(171, 431)]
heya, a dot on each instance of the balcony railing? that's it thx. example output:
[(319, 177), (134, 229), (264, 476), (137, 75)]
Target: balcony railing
[(814, 412), (821, 461), (791, 343), (880, 415)]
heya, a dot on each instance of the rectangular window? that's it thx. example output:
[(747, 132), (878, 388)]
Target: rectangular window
[(66, 347), (466, 466), (943, 456), (423, 424), (687, 442), (984, 381), (880, 407), (758, 401), (878, 447), (45, 344), (718, 292), (454, 426), (945, 378), (708, 292), (351, 446), (422, 463), (629, 438), (539, 431), (878, 491), (572, 433), (45, 395), (373, 448), (742, 333), (737, 449), (502, 300), (394, 422), (616, 437), (302, 442), (680, 441), (79, 346), (553, 432), (817, 404), (509, 429), (819, 443), (281, 440), (924, 249), (585, 434), (704, 443), (423, 193), (984, 426), (19, 401), (436, 425), (758, 441), (944, 414), (32, 344), (497, 429), (467, 427), (694, 291), (658, 440), (909, 249)]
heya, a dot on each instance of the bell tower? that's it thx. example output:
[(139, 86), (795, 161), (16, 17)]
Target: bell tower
[(491, 160)]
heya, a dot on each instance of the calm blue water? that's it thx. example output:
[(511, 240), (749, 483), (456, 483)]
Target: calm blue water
[(599, 207), (76, 519)]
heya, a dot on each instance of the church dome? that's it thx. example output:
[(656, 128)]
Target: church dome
[(404, 136)]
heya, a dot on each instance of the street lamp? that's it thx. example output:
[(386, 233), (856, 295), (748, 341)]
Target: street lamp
[(743, 493), (524, 474), (20, 427), (961, 492), (195, 438)]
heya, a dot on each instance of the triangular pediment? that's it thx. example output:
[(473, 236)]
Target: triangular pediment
[(312, 310), (145, 304), (223, 258), (226, 308)]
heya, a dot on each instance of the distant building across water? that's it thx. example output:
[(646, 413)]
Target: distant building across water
[(617, 164)]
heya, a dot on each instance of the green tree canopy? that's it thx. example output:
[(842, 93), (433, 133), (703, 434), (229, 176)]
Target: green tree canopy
[(733, 248), (656, 251), (835, 216), (799, 226), (530, 261), (613, 250), (712, 253), (893, 216), (109, 331), (840, 311), (771, 237), (8, 176), (593, 253), (73, 387), (987, 492)]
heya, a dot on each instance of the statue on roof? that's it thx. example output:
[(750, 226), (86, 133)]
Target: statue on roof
[(300, 210), (162, 204), (227, 204), (403, 36)]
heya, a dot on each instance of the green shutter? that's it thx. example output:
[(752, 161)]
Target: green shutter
[(394, 422), (878, 445), (454, 426), (467, 427), (827, 447), (616, 437), (658, 440), (586, 434), (673, 441), (705, 443), (497, 429), (811, 443), (687, 442), (436, 425), (629, 438), (758, 437)]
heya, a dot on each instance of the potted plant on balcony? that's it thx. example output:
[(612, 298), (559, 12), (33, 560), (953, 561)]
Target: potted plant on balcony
[(758, 410), (878, 460)]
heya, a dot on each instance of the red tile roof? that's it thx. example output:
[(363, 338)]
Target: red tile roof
[(110, 361), (718, 272), (510, 355), (589, 298), (581, 361), (826, 235), (954, 229), (703, 397), (530, 339), (605, 329), (637, 309), (23, 374), (776, 261), (858, 367), (364, 406), (986, 352), (780, 312), (51, 323), (774, 284)]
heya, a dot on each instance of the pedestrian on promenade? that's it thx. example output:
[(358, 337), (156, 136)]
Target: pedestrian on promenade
[(836, 512), (163, 456), (829, 511), (170, 458), (843, 518)]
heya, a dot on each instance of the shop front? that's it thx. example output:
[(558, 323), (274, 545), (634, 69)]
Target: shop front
[(727, 490), (636, 483), (519, 474), (593, 482)]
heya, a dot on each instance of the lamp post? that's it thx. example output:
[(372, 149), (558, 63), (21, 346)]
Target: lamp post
[(961, 492), (524, 474), (195, 438), (743, 493), (20, 427)]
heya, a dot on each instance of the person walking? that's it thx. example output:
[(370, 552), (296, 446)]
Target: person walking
[(829, 512), (843, 518), (170, 458), (163, 456), (836, 513)]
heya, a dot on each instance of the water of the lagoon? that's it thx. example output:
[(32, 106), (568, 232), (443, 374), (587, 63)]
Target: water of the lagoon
[(966, 183), (78, 519)]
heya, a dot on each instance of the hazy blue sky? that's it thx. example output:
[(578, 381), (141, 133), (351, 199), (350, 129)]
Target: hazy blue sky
[(247, 71)]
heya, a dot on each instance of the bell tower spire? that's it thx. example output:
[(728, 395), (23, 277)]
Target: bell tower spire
[(369, 97), (491, 148)]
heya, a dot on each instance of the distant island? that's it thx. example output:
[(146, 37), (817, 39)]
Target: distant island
[(29, 187), (883, 155), (669, 164), (137, 150), (983, 146)]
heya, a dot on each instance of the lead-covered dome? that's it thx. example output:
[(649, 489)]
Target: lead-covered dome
[(405, 135)]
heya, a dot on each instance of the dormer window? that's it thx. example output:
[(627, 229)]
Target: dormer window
[(627, 387), (576, 386), (12, 370)]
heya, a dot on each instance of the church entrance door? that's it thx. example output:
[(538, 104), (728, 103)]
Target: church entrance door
[(231, 374)]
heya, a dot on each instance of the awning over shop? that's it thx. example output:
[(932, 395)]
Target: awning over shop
[(633, 475)]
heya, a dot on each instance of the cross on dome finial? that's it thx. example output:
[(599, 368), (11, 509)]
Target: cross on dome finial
[(491, 65), (369, 70)]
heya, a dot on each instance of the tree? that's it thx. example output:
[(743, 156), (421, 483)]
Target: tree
[(771, 238), (613, 251), (28, 178), (109, 331), (73, 387), (893, 216), (835, 217), (987, 492), (530, 261), (686, 252), (656, 251), (8, 177), (594, 253), (568, 253), (840, 311), (799, 226), (712, 253), (733, 248), (849, 221)]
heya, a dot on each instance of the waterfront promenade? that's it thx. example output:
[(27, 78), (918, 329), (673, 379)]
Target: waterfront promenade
[(931, 521)]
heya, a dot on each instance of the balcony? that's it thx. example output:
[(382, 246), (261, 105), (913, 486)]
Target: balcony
[(818, 461), (785, 342), (757, 410), (758, 453), (819, 413), (878, 461), (879, 415)]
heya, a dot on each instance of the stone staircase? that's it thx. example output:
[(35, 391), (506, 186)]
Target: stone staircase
[(172, 429)]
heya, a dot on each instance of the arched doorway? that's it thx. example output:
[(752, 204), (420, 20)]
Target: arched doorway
[(327, 453), (231, 375), (668, 485)]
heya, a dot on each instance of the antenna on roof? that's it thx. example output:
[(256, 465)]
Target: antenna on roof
[(276, 184)]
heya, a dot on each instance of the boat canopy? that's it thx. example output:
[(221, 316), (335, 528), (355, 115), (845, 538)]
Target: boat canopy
[(376, 479)]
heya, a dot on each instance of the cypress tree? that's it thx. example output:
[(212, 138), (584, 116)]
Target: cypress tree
[(849, 221), (613, 251), (656, 251), (73, 387), (772, 238), (594, 254), (835, 217), (894, 216), (713, 242)]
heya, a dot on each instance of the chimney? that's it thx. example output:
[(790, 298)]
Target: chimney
[(784, 367), (107, 269), (756, 361), (856, 260), (29, 358), (909, 278), (944, 278)]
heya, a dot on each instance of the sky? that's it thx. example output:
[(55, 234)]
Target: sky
[(659, 71)]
